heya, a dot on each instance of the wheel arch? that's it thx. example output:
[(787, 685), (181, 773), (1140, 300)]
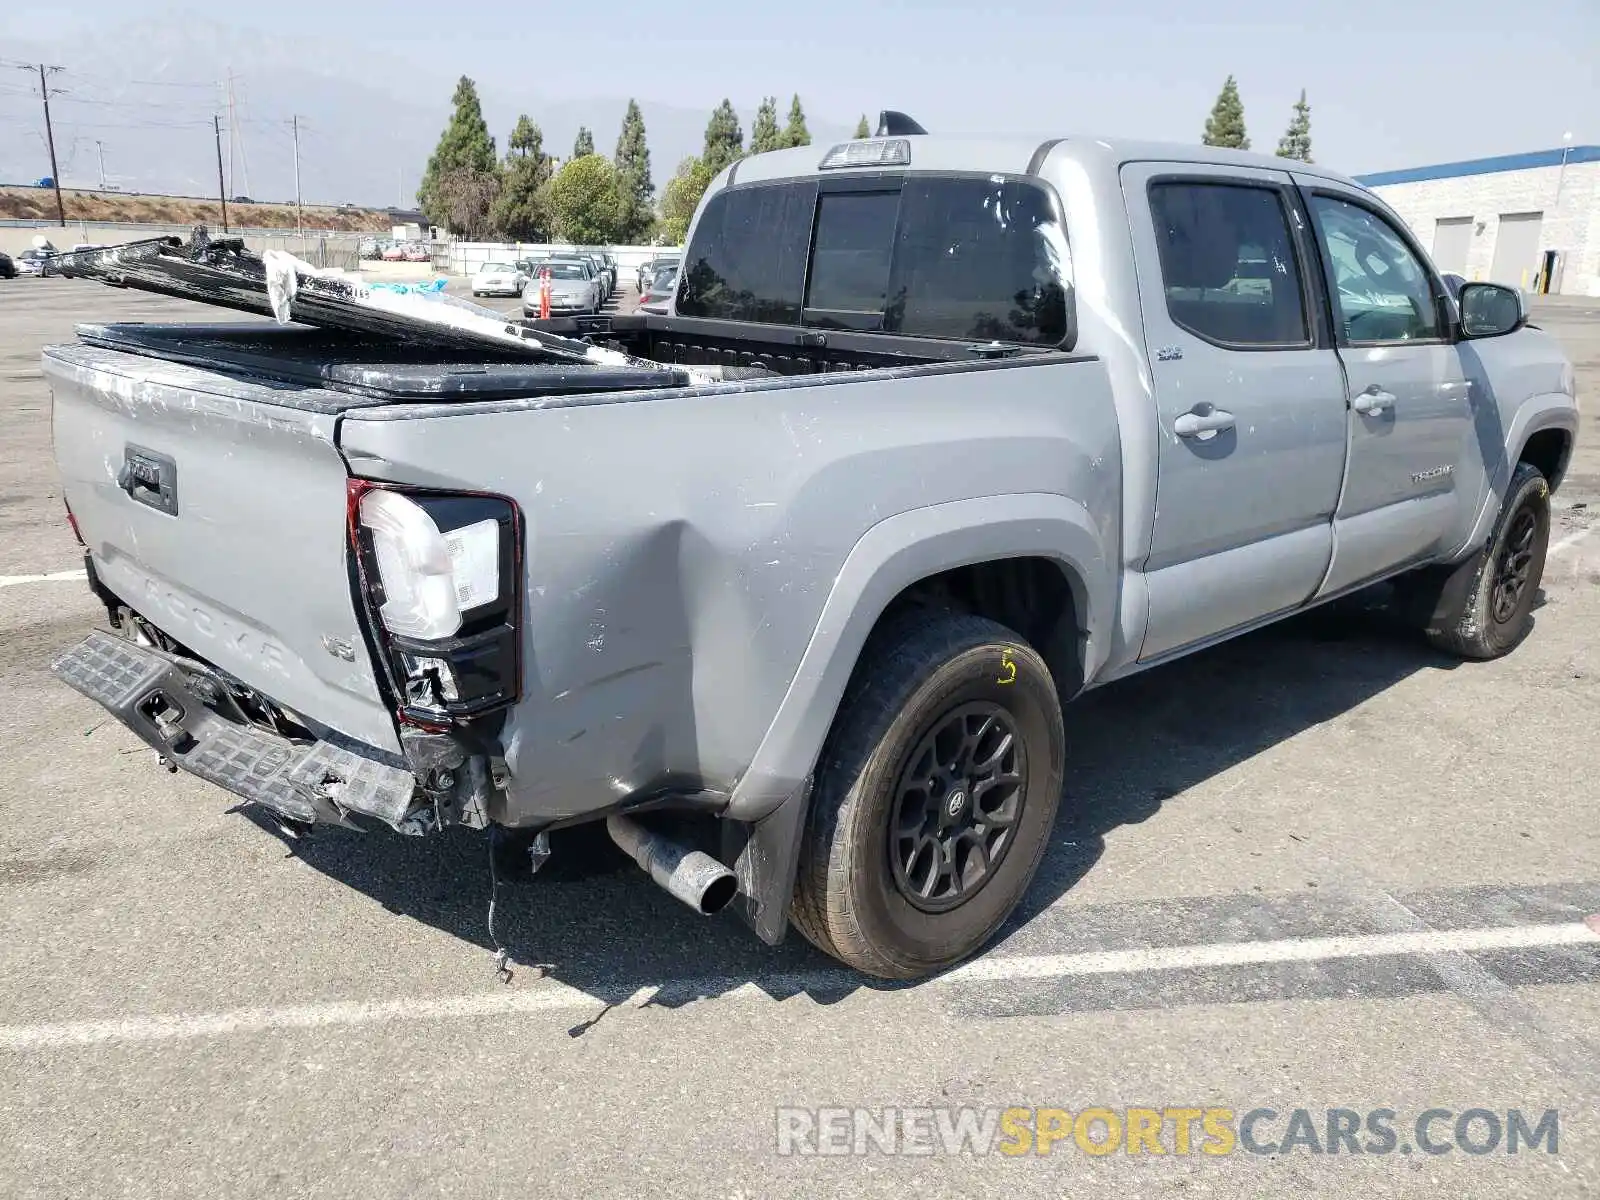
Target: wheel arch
[(1027, 553)]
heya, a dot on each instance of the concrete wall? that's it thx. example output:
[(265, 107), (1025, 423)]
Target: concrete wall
[(467, 257), (1571, 223), (323, 250)]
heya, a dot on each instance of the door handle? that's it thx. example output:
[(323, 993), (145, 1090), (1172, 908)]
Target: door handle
[(1202, 425), (1373, 401)]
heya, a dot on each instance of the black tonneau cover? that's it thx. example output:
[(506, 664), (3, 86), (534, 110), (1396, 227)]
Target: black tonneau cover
[(222, 272), (367, 364)]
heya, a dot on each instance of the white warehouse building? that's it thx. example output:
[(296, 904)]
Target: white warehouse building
[(1529, 220)]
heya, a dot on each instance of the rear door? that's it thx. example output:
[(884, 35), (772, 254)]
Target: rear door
[(1410, 411), (1249, 397), (219, 516)]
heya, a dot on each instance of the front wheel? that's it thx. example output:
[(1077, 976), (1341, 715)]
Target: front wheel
[(1495, 609), (935, 796)]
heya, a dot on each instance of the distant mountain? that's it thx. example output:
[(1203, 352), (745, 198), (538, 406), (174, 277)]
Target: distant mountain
[(366, 126)]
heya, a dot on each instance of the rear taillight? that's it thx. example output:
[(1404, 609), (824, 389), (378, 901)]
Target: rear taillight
[(73, 521), (439, 575)]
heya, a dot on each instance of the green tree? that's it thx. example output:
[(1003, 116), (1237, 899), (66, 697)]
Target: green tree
[(795, 132), (1225, 125), (764, 132), (520, 213), (1296, 141), (862, 128), (584, 143), (465, 157), (582, 200), (682, 196), (724, 138), (636, 192)]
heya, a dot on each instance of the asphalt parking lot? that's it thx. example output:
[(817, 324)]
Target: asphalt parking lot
[(1320, 867)]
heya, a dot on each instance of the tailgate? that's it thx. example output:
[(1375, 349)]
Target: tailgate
[(215, 507)]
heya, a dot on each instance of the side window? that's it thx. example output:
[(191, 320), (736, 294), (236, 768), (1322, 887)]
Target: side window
[(1228, 265), (748, 258), (1381, 293)]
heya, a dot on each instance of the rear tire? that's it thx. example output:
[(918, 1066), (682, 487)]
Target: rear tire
[(1495, 611), (891, 880)]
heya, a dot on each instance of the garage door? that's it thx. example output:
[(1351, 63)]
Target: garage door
[(1516, 249), (1452, 238)]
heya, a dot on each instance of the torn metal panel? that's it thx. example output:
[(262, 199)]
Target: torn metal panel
[(222, 272)]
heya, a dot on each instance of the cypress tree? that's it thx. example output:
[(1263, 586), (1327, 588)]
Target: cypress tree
[(1296, 141), (795, 132), (635, 190), (724, 138), (464, 156), (764, 134), (1225, 125)]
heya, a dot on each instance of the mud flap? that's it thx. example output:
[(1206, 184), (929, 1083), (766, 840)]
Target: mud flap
[(1434, 598), (309, 782), (765, 855)]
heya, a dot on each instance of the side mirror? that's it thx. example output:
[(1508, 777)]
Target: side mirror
[(1490, 310)]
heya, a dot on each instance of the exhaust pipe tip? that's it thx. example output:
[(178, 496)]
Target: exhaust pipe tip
[(692, 877), (719, 893)]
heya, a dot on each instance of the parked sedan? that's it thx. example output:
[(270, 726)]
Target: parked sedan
[(574, 290), (36, 262), (648, 268), (657, 295), (499, 279), (418, 253), (607, 277)]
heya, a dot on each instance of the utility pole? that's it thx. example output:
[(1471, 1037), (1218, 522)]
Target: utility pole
[(50, 140), (222, 185), (299, 223), (100, 148)]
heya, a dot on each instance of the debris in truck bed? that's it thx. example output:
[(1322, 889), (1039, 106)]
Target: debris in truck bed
[(222, 272)]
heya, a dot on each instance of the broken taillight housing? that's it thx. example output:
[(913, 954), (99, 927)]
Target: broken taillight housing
[(439, 576)]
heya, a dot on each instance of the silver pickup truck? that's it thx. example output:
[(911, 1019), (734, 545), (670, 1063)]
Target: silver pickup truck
[(939, 434)]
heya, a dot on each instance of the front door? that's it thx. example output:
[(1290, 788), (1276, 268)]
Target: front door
[(1409, 406), (1248, 395)]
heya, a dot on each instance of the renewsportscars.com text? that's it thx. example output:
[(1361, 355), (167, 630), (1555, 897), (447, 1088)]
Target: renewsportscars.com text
[(1180, 1131)]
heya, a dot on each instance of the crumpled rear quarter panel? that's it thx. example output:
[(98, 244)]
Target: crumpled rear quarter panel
[(679, 550)]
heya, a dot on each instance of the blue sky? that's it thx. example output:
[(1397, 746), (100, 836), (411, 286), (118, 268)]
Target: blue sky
[(1391, 83)]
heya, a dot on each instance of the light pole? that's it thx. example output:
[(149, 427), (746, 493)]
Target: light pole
[(1561, 174)]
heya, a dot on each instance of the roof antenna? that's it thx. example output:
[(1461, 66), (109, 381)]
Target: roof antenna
[(896, 124)]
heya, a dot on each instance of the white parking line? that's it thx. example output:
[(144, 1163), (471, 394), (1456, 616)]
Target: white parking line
[(57, 577), (550, 996)]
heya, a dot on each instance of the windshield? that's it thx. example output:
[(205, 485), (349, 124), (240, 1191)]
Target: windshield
[(505, 268), (566, 271), (664, 278)]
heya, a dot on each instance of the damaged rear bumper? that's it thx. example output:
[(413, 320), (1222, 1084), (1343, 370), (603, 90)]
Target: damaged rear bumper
[(305, 781)]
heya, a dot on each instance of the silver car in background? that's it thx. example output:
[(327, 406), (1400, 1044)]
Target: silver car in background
[(574, 289)]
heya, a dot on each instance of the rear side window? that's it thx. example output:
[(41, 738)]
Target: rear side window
[(748, 259), (1228, 264), (927, 256), (978, 258)]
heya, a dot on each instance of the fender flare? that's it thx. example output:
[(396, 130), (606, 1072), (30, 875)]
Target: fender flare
[(1553, 410), (888, 558)]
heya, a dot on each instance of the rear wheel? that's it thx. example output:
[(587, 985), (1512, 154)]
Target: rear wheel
[(1494, 611), (934, 799)]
